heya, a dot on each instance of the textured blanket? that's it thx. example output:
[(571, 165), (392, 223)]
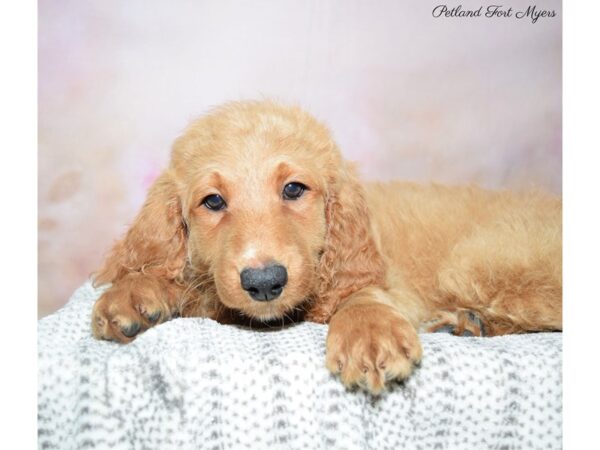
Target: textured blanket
[(193, 383)]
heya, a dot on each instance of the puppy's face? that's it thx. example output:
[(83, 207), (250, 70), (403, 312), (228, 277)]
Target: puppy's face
[(254, 182)]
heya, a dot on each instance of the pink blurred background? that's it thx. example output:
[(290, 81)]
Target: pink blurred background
[(407, 95)]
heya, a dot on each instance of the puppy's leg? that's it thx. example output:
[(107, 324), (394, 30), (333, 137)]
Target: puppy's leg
[(509, 274), (371, 342), (133, 304)]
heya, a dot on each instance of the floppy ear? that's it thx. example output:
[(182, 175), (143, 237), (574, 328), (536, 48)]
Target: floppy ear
[(156, 242), (350, 261)]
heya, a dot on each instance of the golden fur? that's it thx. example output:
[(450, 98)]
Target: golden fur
[(377, 261)]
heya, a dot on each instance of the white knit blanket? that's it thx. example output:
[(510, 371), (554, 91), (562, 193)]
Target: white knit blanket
[(193, 383)]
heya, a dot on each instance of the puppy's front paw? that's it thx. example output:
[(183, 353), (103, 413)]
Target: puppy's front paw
[(369, 345), (130, 306)]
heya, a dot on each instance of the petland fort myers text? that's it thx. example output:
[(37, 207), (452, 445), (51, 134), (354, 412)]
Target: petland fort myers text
[(532, 12)]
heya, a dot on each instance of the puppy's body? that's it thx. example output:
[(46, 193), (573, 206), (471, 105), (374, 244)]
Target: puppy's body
[(454, 249), (258, 217)]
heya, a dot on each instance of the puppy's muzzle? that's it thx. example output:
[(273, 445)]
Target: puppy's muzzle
[(264, 284)]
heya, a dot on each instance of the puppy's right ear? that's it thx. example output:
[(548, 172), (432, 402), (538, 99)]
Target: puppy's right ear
[(156, 242)]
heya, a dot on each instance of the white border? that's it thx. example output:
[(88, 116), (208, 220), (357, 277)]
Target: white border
[(18, 116), (581, 214), (18, 264)]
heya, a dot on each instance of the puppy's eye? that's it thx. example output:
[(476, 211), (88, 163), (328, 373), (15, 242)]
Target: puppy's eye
[(293, 191), (214, 202)]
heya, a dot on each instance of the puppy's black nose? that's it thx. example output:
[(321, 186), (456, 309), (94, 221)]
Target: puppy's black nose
[(264, 284)]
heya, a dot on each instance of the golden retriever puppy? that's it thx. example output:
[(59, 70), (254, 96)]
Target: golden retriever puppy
[(258, 218)]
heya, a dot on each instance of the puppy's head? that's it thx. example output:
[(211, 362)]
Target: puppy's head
[(260, 200), (253, 179)]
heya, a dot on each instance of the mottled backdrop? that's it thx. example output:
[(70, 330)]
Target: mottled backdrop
[(449, 99)]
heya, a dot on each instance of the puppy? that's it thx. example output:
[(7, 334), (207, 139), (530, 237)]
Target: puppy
[(258, 218)]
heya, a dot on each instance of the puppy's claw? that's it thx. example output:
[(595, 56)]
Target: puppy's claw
[(131, 330), (445, 329), (152, 318)]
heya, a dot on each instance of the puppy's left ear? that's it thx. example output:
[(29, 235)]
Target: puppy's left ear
[(351, 260)]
